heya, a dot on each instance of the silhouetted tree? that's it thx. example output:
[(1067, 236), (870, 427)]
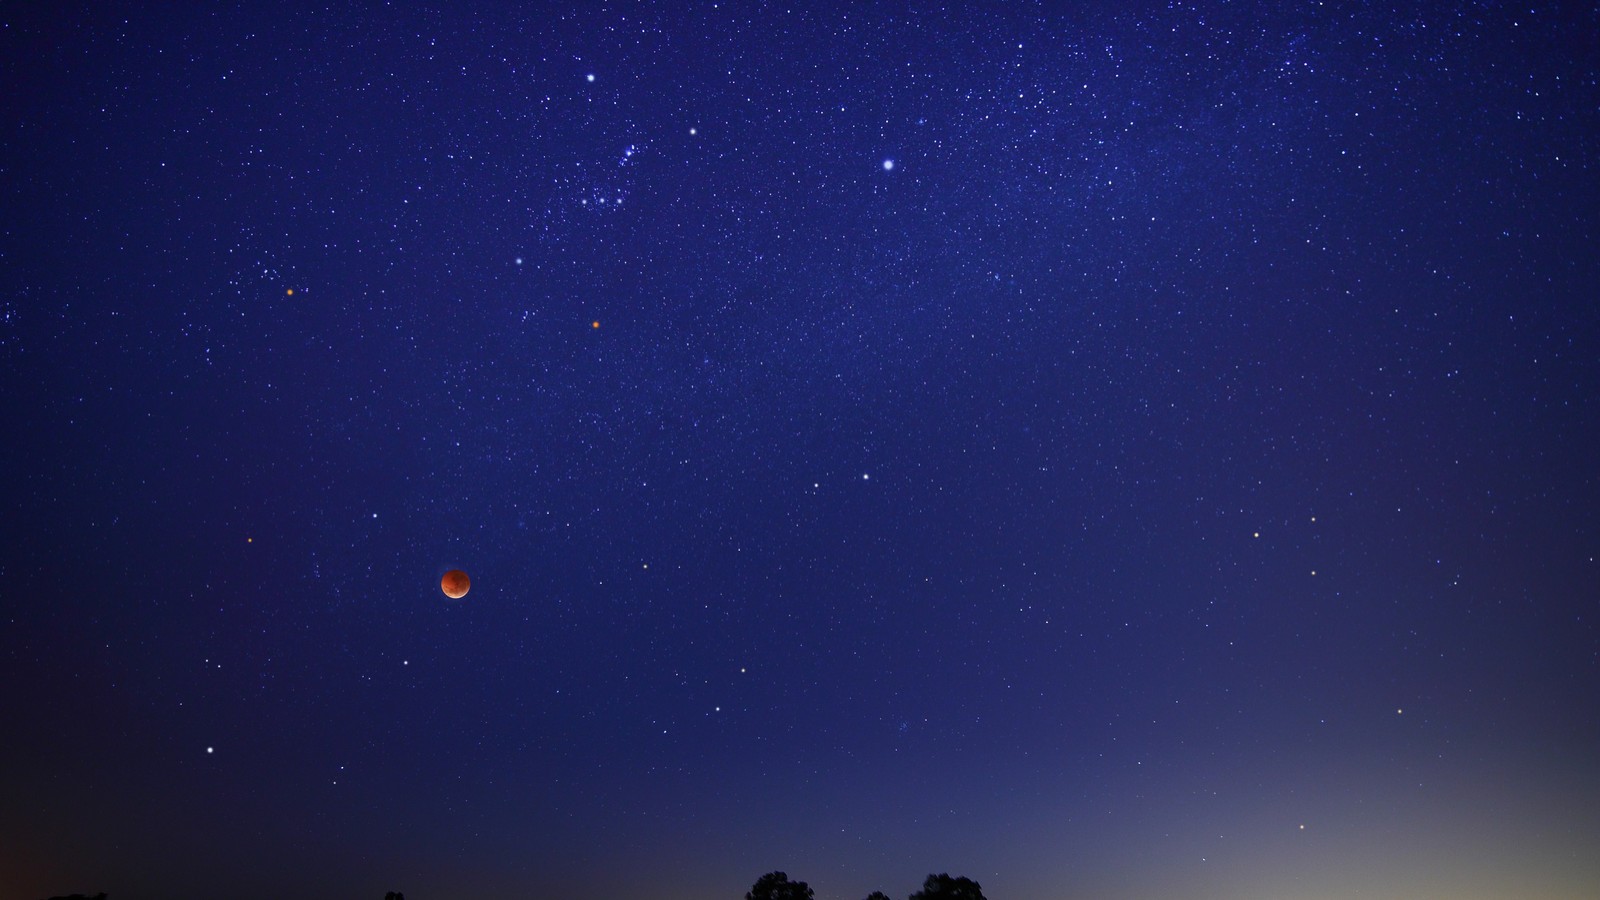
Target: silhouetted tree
[(777, 886), (943, 887), (877, 895), (394, 895), (99, 896)]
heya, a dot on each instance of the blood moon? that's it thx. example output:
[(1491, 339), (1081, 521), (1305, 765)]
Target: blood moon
[(455, 584)]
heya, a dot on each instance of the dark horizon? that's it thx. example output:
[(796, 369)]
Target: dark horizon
[(1106, 451)]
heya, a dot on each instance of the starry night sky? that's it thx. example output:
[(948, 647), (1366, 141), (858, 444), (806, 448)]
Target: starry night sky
[(1121, 450)]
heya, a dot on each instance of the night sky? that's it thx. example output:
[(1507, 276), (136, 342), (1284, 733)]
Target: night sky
[(1115, 450)]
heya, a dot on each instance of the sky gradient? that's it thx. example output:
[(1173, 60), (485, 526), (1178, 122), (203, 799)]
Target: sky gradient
[(1102, 450)]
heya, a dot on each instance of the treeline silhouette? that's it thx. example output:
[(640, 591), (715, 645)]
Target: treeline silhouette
[(101, 895), (777, 886)]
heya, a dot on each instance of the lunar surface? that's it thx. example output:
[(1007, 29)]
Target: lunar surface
[(455, 584)]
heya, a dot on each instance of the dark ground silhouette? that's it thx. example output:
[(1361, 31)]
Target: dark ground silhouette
[(943, 887), (777, 886)]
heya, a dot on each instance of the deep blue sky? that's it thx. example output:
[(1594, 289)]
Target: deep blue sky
[(1114, 450)]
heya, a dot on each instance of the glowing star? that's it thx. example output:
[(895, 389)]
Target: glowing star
[(888, 165), (595, 324), (589, 77), (519, 260), (289, 292), (211, 749)]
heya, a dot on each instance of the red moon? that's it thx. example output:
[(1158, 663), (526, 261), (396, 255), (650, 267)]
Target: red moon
[(455, 584)]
